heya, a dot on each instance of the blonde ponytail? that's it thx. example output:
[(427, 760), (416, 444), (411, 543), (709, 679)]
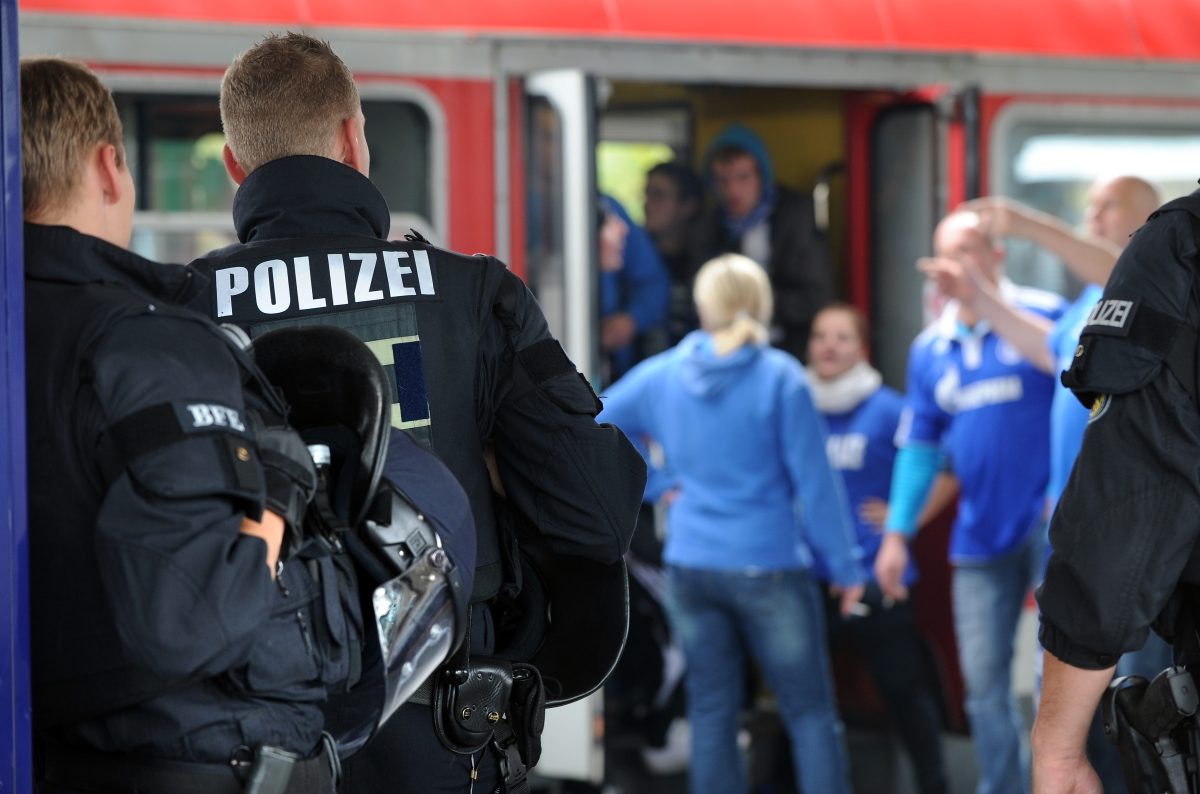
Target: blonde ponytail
[(733, 296)]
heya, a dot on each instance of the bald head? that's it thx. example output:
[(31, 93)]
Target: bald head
[(1117, 207), (960, 236)]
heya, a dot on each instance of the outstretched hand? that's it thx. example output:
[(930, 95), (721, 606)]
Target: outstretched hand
[(999, 217), (958, 280)]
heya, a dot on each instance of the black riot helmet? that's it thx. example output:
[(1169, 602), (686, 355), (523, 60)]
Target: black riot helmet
[(567, 615), (409, 589)]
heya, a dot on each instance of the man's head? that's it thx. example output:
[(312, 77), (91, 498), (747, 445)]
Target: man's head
[(1116, 208), (72, 156), (838, 341), (288, 95), (959, 236), (673, 196), (738, 181)]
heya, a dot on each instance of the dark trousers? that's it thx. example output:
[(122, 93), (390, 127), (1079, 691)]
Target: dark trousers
[(407, 758), (888, 643)]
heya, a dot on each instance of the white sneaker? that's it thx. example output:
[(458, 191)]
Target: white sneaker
[(675, 755)]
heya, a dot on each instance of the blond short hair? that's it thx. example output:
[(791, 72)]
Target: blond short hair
[(65, 113), (734, 295), (285, 96)]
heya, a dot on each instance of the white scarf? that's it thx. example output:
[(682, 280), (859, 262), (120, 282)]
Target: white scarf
[(845, 392)]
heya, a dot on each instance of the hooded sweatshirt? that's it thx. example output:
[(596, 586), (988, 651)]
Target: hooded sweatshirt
[(747, 448)]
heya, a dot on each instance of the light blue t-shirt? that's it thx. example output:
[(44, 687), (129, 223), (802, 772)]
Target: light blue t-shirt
[(1068, 417), (973, 394)]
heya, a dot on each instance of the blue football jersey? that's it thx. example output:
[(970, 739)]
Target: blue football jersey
[(989, 409)]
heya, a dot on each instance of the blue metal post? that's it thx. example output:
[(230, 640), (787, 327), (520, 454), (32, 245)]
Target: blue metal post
[(15, 727)]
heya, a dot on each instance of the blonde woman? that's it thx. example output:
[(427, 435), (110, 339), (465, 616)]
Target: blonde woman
[(747, 449)]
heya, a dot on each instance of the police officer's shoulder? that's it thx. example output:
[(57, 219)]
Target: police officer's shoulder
[(161, 353)]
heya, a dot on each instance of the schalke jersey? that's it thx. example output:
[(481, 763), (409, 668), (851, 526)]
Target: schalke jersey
[(973, 394), (862, 448), (1068, 417)]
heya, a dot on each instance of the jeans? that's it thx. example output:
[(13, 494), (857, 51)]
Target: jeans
[(889, 644), (988, 600), (777, 617)]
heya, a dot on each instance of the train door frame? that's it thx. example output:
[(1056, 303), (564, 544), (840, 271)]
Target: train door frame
[(16, 726)]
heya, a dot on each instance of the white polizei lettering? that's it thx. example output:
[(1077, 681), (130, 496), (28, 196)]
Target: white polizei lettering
[(424, 273), (1111, 313), (396, 272), (366, 273), (304, 293), (847, 452), (271, 291), (201, 415), (337, 280), (230, 281)]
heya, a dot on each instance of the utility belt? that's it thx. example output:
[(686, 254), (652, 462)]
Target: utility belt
[(267, 770)]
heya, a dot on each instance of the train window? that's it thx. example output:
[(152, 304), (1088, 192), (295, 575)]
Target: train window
[(1051, 164), (903, 212), (401, 161), (631, 142), (185, 197), (544, 235)]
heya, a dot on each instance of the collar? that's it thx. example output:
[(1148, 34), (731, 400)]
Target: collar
[(845, 392), (64, 255), (305, 195)]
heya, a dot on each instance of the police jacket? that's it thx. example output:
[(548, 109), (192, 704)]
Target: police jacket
[(467, 346), (157, 629), (1126, 532)]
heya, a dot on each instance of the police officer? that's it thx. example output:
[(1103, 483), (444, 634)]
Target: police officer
[(1125, 532), (175, 647), (473, 362)]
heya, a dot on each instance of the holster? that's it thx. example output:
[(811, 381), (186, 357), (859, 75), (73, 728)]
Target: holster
[(484, 699), (1154, 726)]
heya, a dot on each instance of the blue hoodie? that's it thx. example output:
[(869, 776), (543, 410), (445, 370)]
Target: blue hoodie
[(747, 448), (641, 287)]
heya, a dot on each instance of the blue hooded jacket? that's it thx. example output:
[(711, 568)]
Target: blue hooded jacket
[(747, 448), (641, 287)]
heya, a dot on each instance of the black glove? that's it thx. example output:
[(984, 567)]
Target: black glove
[(289, 474)]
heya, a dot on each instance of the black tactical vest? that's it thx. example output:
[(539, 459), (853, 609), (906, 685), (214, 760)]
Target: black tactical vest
[(423, 311)]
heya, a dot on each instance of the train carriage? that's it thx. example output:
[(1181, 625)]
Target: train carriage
[(486, 118)]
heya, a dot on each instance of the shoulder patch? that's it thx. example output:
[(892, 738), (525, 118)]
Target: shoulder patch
[(1112, 317), (1099, 407)]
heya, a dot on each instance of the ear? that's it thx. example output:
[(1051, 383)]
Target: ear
[(111, 173), (352, 145), (234, 169)]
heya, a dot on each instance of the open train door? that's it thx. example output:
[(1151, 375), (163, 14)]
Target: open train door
[(15, 726), (561, 270), (913, 157)]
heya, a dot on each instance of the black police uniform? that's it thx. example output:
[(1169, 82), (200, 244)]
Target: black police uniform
[(473, 362), (1126, 531), (162, 649)]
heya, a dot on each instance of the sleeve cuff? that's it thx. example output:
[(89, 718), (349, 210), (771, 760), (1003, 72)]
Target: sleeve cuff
[(1054, 640)]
